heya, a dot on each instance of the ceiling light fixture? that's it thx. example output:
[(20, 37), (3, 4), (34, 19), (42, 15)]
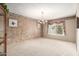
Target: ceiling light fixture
[(42, 20)]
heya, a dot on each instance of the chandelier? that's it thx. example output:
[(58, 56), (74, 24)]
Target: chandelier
[(42, 20)]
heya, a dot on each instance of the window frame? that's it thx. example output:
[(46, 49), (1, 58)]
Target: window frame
[(56, 21)]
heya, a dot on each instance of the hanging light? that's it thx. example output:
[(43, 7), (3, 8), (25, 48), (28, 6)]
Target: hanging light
[(42, 20)]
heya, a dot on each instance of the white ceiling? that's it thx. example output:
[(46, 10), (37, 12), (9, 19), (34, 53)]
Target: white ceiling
[(51, 10)]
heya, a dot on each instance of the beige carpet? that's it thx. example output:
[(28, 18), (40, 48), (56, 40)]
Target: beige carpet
[(42, 47)]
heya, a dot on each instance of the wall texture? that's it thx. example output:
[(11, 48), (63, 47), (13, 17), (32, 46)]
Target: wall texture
[(70, 29), (27, 28)]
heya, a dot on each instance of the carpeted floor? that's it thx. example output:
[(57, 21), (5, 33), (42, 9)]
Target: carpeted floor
[(42, 47)]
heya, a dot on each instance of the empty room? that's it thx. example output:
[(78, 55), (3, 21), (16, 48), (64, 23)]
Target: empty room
[(38, 29)]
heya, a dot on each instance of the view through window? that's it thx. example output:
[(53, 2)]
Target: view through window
[(56, 28)]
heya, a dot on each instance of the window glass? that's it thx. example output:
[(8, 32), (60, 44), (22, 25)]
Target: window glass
[(56, 28)]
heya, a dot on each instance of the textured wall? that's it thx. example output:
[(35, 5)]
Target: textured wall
[(70, 29), (27, 29)]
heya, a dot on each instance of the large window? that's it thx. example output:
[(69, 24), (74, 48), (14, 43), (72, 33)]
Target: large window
[(56, 27)]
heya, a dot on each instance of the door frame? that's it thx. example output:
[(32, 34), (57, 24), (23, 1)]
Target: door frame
[(5, 29)]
